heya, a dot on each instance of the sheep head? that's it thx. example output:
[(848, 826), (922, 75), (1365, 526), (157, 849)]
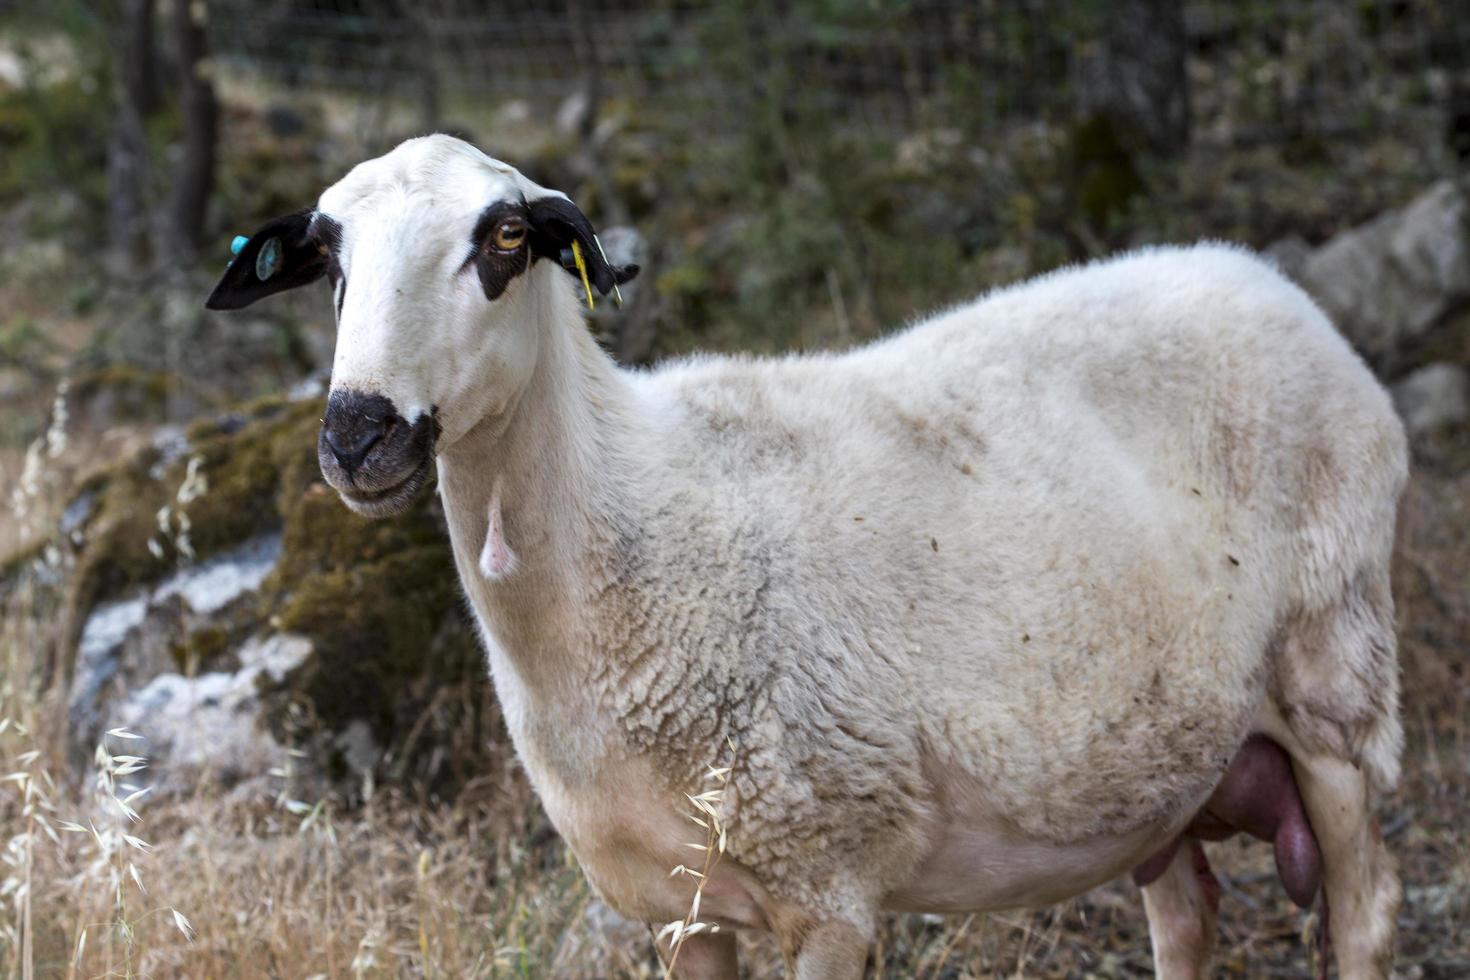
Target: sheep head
[(433, 254)]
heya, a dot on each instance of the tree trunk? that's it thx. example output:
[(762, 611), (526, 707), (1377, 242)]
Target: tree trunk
[(138, 69), (199, 110), (135, 87)]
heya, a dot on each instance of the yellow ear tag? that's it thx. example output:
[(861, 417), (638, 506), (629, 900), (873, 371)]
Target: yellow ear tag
[(582, 268)]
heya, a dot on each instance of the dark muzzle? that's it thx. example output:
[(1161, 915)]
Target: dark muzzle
[(374, 457)]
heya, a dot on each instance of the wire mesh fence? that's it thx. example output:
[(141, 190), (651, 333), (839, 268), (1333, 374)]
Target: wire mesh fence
[(1251, 69)]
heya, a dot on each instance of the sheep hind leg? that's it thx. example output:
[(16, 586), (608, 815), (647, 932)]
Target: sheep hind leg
[(1181, 904), (1360, 876)]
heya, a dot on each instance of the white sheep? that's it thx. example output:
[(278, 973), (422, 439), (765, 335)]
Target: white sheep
[(985, 609)]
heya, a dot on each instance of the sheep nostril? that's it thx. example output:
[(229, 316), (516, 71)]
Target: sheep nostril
[(352, 445), (354, 424)]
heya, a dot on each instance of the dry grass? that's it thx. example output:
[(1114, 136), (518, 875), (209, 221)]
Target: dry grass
[(483, 889), (708, 816)]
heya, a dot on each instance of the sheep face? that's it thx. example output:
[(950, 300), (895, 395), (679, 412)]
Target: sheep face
[(433, 252)]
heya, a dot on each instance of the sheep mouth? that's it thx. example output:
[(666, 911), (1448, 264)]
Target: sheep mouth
[(388, 501), (382, 477)]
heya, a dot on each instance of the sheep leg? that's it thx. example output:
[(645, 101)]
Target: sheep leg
[(833, 950), (1362, 885), (1181, 904), (704, 956)]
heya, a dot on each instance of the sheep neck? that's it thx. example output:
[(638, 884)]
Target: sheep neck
[(556, 461)]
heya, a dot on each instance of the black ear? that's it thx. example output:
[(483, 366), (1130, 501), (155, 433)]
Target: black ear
[(279, 256), (555, 223)]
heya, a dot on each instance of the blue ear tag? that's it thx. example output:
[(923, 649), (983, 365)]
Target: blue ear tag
[(268, 262), (237, 243)]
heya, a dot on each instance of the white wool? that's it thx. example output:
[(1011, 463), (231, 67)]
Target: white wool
[(984, 608)]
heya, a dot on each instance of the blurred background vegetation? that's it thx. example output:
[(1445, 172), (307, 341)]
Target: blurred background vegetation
[(791, 174), (804, 173)]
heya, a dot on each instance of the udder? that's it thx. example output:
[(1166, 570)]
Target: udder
[(1258, 796)]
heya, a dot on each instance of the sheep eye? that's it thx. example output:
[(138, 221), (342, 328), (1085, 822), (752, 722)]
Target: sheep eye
[(509, 234)]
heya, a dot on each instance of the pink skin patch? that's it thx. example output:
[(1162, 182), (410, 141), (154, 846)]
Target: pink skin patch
[(496, 559), (1258, 796)]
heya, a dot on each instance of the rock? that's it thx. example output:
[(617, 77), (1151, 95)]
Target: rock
[(98, 661), (1434, 396), (206, 727), (76, 515), (387, 682), (125, 644), (572, 114), (171, 444), (513, 113), (211, 586), (1290, 255), (1386, 283)]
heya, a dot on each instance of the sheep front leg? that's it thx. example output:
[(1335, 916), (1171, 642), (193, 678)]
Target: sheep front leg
[(704, 956), (1181, 905), (828, 951)]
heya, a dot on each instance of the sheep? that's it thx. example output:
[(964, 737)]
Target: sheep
[(1043, 588)]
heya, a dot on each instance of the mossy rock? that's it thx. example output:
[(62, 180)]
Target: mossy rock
[(117, 393), (379, 600)]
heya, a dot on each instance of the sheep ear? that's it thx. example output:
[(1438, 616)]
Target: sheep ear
[(279, 256), (555, 223)]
